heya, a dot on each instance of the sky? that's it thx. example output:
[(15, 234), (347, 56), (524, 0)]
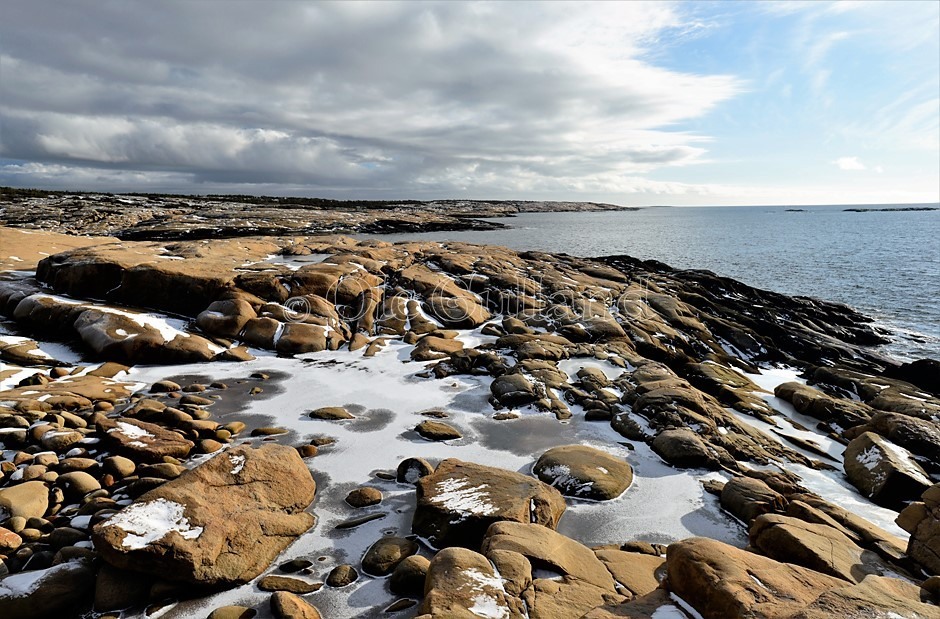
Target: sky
[(633, 103)]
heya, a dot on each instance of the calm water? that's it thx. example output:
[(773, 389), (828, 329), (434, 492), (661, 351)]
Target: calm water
[(886, 264)]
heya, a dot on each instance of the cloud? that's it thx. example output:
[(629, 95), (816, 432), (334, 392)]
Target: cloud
[(375, 97), (849, 163)]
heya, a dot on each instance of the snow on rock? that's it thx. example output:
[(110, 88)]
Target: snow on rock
[(151, 521)]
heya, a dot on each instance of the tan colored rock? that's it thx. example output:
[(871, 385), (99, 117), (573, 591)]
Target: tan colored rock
[(722, 582), (461, 583), (584, 472), (922, 521), (816, 546), (747, 498), (639, 573), (286, 605), (460, 500), (224, 521), (27, 500), (883, 471), (142, 441)]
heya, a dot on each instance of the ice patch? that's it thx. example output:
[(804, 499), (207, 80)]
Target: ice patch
[(149, 522)]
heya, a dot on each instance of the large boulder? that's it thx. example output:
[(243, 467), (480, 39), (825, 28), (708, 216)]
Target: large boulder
[(684, 448), (817, 546), (219, 524), (922, 521), (584, 472), (723, 582), (59, 591), (747, 498), (919, 436), (26, 500), (575, 580), (883, 471), (461, 584), (514, 390), (460, 500)]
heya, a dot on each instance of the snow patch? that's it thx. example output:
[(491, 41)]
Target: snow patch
[(151, 521)]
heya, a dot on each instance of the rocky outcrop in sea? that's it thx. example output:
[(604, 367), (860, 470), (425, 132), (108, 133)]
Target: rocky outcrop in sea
[(305, 425)]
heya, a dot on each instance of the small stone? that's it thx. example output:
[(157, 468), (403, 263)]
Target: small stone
[(233, 612), (255, 391), (342, 575), (308, 451), (196, 400), (399, 605), (119, 466), (285, 583), (437, 431), (331, 413), (219, 385), (208, 445), (194, 388), (164, 386), (385, 554), (235, 427), (410, 470), (295, 565), (9, 541), (364, 497), (78, 483), (408, 577), (286, 605), (268, 431)]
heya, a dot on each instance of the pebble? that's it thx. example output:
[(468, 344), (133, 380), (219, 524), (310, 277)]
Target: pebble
[(342, 575), (364, 497)]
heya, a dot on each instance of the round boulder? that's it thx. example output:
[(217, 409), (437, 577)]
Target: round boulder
[(584, 472)]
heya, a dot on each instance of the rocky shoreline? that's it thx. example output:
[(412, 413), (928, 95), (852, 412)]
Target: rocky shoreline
[(443, 411), (170, 217)]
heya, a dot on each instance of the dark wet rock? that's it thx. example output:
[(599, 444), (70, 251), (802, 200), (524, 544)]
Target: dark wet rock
[(410, 470), (514, 390), (385, 554), (55, 592), (584, 472), (246, 504), (460, 500), (409, 576), (342, 575)]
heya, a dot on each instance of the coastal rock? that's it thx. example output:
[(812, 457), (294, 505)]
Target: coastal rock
[(437, 431), (218, 524), (409, 576), (684, 448), (47, 594), (460, 500), (142, 441), (579, 580), (922, 520), (584, 472), (514, 390), (747, 498), (883, 471), (382, 557), (461, 584), (26, 500), (286, 605), (817, 546)]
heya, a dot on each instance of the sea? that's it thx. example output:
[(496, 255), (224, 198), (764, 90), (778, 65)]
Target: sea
[(885, 263)]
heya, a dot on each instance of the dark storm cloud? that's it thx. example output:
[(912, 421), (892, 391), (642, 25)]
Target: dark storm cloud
[(398, 99)]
